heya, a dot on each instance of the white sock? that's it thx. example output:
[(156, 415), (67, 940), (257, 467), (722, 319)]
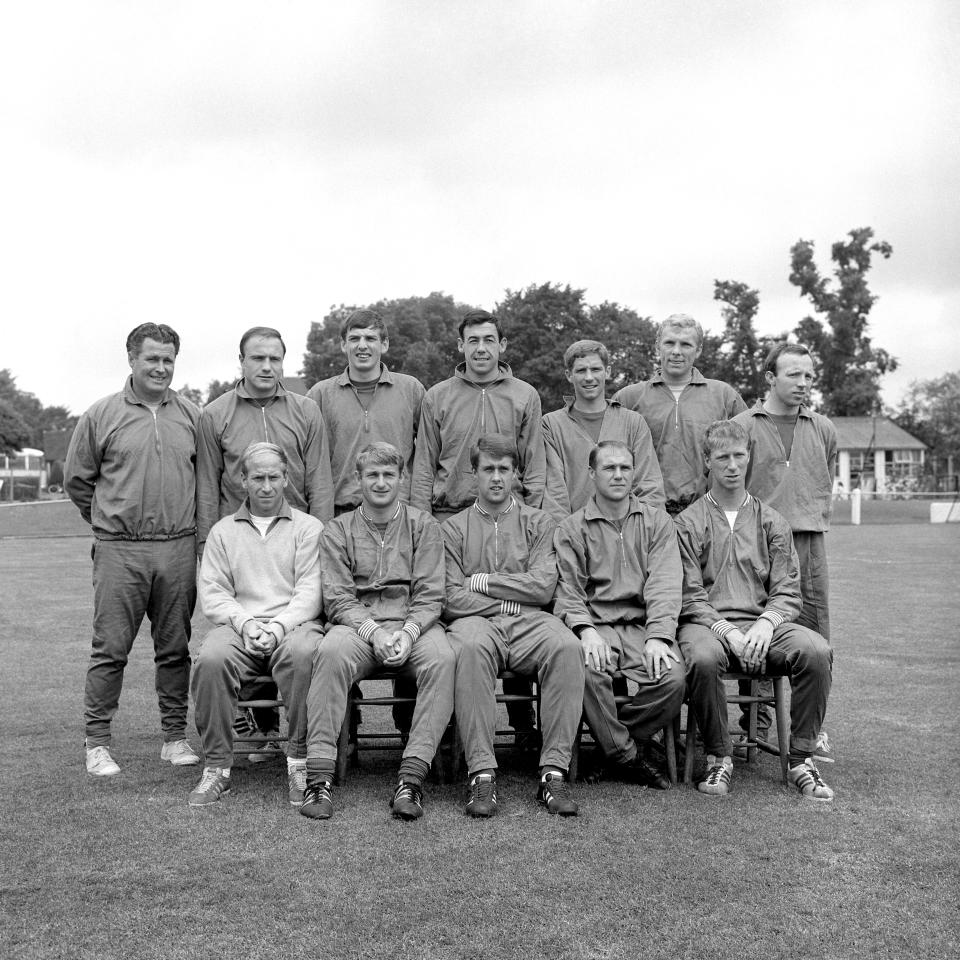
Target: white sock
[(296, 764)]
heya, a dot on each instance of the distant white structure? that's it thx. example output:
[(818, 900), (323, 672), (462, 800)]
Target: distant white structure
[(23, 472)]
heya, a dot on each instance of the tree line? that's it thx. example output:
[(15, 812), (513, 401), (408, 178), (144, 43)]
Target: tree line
[(541, 320)]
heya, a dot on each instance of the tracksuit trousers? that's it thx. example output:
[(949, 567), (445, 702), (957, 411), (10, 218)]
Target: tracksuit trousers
[(345, 657), (533, 644), (133, 579), (795, 652), (655, 704), (221, 669)]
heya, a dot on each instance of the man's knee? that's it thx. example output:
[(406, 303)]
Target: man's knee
[(470, 639)]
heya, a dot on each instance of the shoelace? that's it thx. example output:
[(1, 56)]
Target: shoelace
[(317, 793), (208, 779), (299, 777), (716, 774), (483, 787), (406, 791), (557, 786)]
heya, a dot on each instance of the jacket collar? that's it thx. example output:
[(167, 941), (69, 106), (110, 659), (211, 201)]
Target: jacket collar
[(696, 377), (757, 410), (461, 373), (385, 376), (241, 389), (592, 512), (243, 511), (489, 516), (131, 397), (569, 401)]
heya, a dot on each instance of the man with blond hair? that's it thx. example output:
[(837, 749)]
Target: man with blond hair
[(260, 587), (679, 403)]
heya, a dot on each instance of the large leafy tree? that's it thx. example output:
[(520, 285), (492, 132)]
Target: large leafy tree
[(850, 366), (15, 433), (423, 338), (741, 351), (931, 412), (541, 321)]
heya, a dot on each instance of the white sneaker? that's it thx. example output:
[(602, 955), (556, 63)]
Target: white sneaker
[(179, 753), (100, 763), (214, 784)]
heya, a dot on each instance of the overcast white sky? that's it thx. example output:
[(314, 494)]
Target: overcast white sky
[(220, 165)]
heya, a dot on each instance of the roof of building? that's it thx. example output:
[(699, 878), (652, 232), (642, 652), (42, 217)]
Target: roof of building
[(878, 433)]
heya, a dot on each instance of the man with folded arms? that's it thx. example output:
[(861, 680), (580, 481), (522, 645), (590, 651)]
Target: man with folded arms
[(741, 596), (382, 569), (260, 585), (619, 591), (501, 573)]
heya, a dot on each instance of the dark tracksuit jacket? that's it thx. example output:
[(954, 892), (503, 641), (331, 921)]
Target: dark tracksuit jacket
[(392, 415), (568, 448), (455, 413), (677, 427), (231, 423)]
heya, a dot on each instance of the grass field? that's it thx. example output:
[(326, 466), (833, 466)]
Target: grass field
[(126, 869)]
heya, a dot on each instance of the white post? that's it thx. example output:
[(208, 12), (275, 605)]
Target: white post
[(855, 507)]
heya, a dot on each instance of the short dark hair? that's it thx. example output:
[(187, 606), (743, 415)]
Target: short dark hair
[(723, 433), (382, 454), (261, 446), (585, 348), (364, 318), (779, 350), (608, 445), (494, 445), (151, 331), (261, 332), (475, 317)]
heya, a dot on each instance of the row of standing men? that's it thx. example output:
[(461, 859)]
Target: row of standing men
[(131, 465)]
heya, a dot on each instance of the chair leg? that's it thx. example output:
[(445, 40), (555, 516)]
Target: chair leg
[(670, 748), (343, 744), (754, 708), (783, 723), (575, 754), (690, 747)]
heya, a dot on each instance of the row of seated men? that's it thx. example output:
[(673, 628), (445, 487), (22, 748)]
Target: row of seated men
[(139, 458), (454, 605)]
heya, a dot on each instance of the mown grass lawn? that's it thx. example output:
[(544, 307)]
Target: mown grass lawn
[(126, 869)]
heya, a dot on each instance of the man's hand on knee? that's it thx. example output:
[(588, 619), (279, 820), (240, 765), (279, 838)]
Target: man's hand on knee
[(597, 653), (657, 657)]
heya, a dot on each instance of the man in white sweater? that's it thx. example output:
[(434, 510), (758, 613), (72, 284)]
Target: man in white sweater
[(260, 586)]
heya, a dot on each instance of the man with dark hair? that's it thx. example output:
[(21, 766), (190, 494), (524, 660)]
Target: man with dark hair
[(741, 594), (501, 574), (130, 471), (366, 403), (679, 403), (260, 408), (586, 419), (793, 460), (382, 571), (483, 396), (619, 592), (260, 586)]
